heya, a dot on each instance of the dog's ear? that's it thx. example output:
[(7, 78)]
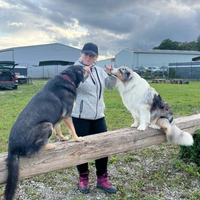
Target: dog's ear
[(127, 75), (80, 75)]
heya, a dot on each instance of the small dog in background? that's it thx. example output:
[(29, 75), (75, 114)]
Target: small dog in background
[(147, 106)]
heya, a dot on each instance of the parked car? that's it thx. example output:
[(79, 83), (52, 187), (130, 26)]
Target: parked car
[(140, 70), (162, 71), (153, 69), (8, 78)]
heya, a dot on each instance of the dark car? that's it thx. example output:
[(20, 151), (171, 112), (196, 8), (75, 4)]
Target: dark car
[(140, 70), (8, 78), (162, 71)]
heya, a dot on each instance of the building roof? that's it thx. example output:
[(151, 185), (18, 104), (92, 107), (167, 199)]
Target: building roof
[(161, 51), (185, 64), (196, 58), (10, 49)]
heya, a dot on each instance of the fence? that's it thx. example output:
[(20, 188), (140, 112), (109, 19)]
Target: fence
[(45, 71), (186, 70)]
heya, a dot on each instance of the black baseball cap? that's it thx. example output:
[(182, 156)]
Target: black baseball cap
[(90, 48)]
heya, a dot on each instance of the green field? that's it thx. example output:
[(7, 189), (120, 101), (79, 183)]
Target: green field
[(183, 99)]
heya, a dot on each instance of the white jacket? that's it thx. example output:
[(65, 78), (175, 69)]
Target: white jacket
[(89, 102)]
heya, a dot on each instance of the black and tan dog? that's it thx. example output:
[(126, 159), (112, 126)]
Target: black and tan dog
[(34, 126)]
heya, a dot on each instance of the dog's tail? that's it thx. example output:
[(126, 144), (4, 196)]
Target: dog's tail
[(174, 134), (13, 175)]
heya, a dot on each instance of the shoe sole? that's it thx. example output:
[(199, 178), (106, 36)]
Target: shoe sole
[(105, 189), (85, 191)]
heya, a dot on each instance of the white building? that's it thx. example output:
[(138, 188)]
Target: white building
[(108, 62), (148, 58), (48, 60), (42, 60)]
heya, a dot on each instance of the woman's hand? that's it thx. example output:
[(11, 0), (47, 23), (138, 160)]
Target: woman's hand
[(108, 69), (87, 69)]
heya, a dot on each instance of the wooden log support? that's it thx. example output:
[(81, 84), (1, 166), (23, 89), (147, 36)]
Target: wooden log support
[(159, 81), (179, 81), (71, 153)]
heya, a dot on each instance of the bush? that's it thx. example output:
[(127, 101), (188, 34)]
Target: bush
[(192, 153)]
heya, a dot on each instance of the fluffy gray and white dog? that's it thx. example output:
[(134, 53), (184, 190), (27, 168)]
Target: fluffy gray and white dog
[(147, 106)]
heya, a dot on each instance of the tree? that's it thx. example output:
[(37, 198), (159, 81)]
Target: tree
[(174, 45), (168, 45), (198, 43), (190, 46)]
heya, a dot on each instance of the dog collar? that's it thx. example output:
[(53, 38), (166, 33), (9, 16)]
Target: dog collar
[(69, 79)]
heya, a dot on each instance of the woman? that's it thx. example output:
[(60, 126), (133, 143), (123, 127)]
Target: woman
[(88, 113)]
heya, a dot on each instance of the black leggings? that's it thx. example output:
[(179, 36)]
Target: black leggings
[(85, 127)]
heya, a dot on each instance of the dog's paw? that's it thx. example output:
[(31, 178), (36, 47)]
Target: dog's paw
[(141, 128), (49, 147), (134, 125), (64, 138), (154, 126), (79, 139)]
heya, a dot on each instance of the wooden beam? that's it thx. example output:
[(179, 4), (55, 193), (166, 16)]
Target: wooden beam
[(71, 153)]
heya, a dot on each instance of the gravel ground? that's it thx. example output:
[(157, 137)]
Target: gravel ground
[(151, 173)]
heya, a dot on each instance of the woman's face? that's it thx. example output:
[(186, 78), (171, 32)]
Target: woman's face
[(88, 58)]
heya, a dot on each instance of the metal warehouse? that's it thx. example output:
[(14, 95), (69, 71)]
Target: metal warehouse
[(42, 60), (186, 70), (149, 58), (46, 60)]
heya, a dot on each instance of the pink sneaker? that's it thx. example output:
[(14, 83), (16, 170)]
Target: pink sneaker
[(84, 182), (102, 183)]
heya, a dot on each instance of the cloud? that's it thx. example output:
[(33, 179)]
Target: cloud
[(15, 24), (112, 24)]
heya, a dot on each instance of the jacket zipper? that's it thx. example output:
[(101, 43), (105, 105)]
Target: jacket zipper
[(100, 90), (81, 108), (92, 79)]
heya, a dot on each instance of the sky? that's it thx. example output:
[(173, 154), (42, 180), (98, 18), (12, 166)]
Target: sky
[(111, 24)]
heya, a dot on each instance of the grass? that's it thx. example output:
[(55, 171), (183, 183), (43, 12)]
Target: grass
[(11, 104), (134, 180), (183, 100)]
